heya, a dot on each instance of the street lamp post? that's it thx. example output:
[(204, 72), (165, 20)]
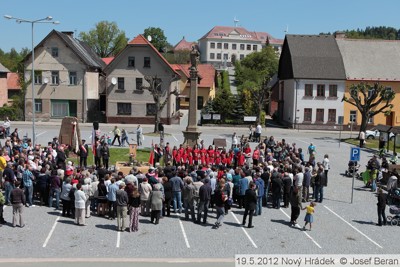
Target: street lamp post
[(47, 19)]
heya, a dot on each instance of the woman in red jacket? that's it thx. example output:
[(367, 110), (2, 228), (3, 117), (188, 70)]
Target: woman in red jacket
[(211, 154), (256, 156), (174, 153), (217, 155), (196, 155)]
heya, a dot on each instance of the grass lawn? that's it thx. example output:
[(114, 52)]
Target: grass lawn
[(116, 154), (369, 143)]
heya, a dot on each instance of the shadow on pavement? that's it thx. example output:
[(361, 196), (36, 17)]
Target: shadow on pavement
[(363, 222), (233, 224), (107, 226), (66, 222), (287, 223)]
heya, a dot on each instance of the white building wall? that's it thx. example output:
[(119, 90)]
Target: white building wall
[(315, 102)]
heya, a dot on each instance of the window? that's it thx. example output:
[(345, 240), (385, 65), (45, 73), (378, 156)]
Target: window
[(38, 105), (200, 102), (121, 83), (241, 56), (73, 80), (331, 115), (255, 47), (139, 83), (353, 115), (321, 90), (241, 46), (307, 114), (146, 62), (218, 55), (38, 77), (54, 51), (124, 109), (219, 45), (233, 46), (248, 47), (212, 56), (226, 46), (308, 90), (333, 90), (320, 115), (226, 56), (131, 62), (151, 109), (212, 45), (55, 78), (59, 108)]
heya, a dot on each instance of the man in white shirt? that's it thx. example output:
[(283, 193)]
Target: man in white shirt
[(258, 132)]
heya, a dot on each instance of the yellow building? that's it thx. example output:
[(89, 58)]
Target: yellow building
[(371, 61), (206, 85)]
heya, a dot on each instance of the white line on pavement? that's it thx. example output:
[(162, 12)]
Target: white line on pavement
[(298, 226), (175, 138), (51, 232), (184, 234), (118, 238), (41, 133), (244, 230), (353, 227)]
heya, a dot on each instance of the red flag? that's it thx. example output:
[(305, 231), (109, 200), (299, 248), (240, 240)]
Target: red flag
[(151, 158)]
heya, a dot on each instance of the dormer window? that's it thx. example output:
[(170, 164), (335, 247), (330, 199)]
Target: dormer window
[(146, 62), (131, 62)]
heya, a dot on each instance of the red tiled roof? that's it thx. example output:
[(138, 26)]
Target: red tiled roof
[(13, 81), (206, 73), (184, 45), (141, 40), (225, 31), (107, 60)]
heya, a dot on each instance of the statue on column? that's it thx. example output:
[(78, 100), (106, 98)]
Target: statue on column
[(194, 57)]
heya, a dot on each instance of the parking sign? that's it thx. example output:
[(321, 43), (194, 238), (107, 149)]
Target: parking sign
[(355, 154)]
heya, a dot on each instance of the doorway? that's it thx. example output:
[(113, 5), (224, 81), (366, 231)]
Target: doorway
[(389, 119)]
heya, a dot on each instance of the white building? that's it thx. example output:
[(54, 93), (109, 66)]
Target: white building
[(222, 45)]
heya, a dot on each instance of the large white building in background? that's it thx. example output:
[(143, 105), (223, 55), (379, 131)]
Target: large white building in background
[(221, 46)]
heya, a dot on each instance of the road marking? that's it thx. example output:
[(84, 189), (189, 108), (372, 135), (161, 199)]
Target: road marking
[(298, 226), (118, 239), (244, 230), (184, 234), (353, 227), (175, 138), (41, 133), (51, 231)]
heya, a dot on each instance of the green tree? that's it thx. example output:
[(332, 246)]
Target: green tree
[(106, 39), (252, 76), (178, 57), (370, 100), (158, 38)]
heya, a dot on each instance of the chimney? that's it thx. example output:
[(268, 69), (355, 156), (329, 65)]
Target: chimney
[(340, 35), (69, 34)]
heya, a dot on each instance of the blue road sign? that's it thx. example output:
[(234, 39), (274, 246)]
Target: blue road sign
[(355, 154)]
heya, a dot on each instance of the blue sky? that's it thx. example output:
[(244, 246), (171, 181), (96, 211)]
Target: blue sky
[(193, 19)]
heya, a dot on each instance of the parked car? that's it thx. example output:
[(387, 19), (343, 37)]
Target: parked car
[(372, 134)]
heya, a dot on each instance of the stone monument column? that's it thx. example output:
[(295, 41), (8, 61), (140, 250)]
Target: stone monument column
[(192, 132)]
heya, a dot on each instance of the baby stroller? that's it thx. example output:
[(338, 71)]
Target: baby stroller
[(352, 169), (395, 211)]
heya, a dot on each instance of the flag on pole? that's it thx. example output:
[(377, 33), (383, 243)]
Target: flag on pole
[(94, 142), (151, 158)]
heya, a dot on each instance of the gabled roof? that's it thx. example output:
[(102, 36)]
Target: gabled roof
[(13, 81), (3, 69), (140, 40), (206, 73), (366, 59), (240, 33), (107, 60), (311, 57), (81, 49), (184, 45)]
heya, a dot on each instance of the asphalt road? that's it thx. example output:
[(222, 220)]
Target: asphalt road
[(339, 226)]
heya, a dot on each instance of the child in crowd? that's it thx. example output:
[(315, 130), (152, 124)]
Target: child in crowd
[(309, 215)]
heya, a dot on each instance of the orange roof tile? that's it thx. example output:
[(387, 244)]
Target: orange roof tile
[(107, 60), (141, 40), (13, 81), (206, 73), (184, 45)]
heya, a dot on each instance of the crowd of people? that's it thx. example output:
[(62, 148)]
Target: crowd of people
[(193, 180)]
